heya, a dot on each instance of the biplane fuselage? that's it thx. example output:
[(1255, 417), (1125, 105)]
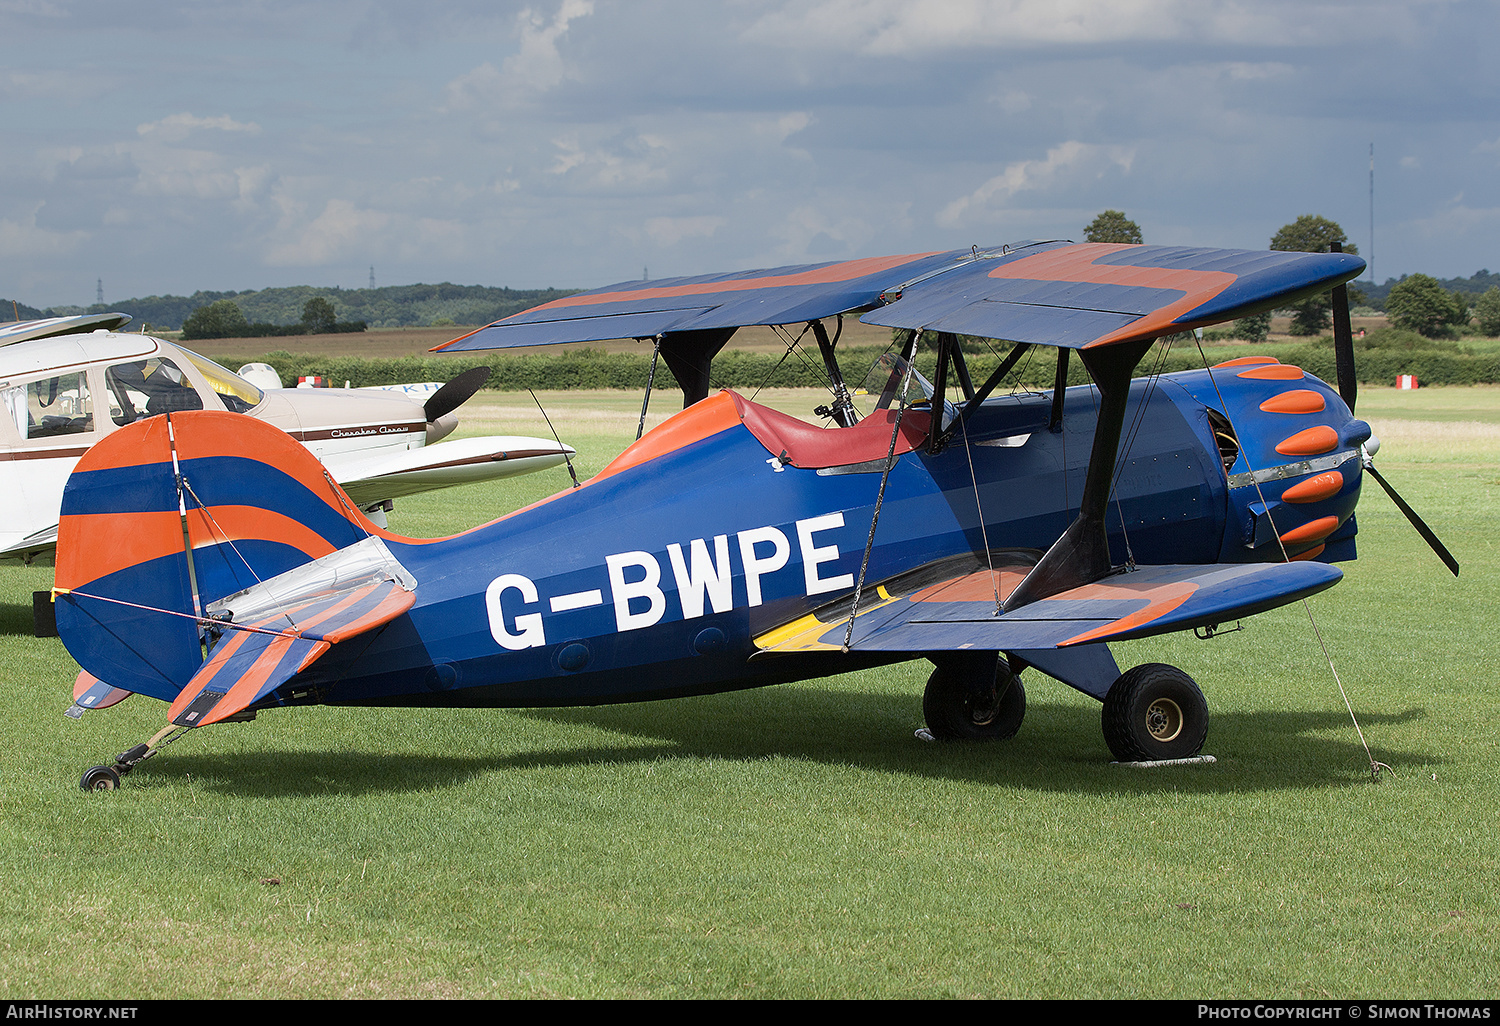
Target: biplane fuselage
[(734, 546)]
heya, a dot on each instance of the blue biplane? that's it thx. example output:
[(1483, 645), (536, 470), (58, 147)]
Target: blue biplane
[(212, 564)]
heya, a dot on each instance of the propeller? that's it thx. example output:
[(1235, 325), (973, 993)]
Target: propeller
[(1343, 350), (455, 393)]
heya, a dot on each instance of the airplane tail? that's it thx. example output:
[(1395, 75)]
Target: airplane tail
[(170, 514)]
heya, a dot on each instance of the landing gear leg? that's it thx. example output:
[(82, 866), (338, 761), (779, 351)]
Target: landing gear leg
[(974, 698), (107, 778)]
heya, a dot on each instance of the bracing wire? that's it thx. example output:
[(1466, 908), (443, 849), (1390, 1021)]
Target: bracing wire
[(890, 463), (1375, 766), (793, 345)]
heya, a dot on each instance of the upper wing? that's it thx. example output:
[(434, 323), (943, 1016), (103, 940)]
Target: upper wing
[(642, 309), (1049, 293), (460, 461), (959, 611)]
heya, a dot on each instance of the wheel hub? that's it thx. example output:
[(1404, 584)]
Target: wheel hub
[(1164, 719)]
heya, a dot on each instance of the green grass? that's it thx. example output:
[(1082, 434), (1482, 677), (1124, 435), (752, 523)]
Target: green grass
[(798, 841)]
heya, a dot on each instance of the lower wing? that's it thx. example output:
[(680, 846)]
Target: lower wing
[(962, 610)]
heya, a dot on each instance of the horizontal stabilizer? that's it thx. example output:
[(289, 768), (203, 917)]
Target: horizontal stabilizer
[(89, 692), (289, 622), (960, 612), (1065, 294)]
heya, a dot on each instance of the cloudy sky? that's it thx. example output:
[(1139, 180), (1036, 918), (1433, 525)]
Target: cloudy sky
[(166, 146)]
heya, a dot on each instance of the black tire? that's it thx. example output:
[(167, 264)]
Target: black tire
[(100, 778), (1152, 712), (963, 702)]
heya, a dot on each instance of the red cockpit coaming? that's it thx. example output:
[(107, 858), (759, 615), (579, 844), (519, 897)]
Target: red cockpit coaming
[(809, 446)]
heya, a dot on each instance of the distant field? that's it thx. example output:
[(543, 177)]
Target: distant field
[(799, 841)]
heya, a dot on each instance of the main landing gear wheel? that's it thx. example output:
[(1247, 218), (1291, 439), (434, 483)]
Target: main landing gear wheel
[(1154, 712), (100, 778), (969, 702)]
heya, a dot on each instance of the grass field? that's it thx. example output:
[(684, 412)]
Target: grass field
[(798, 841)]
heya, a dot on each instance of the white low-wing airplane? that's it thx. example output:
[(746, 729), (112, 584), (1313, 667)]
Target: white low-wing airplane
[(63, 387)]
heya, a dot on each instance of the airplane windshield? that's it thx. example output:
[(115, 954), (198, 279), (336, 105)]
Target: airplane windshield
[(238, 394), (881, 389), (145, 388)]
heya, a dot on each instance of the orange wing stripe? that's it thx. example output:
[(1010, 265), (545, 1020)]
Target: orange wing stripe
[(1077, 263), (1246, 361), (847, 271), (1161, 600)]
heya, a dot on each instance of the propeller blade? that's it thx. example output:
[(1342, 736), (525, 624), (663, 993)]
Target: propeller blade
[(455, 393), (1416, 521), (1343, 341)]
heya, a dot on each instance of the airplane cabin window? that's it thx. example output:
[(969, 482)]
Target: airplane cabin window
[(145, 388), (52, 406)]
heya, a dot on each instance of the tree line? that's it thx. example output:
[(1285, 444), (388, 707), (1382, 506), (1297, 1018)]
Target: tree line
[(392, 306), (223, 318)]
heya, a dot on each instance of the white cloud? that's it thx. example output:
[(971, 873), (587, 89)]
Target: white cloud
[(1068, 162), (624, 163), (341, 231), (22, 239), (816, 231), (669, 231), (538, 65), (177, 127), (912, 27)]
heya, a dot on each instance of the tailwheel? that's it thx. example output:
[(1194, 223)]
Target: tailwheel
[(1154, 712), (100, 778), (107, 778), (974, 700)]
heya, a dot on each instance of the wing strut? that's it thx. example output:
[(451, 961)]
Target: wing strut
[(689, 354), (843, 406), (976, 398), (1059, 389), (650, 380), (1081, 555)]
